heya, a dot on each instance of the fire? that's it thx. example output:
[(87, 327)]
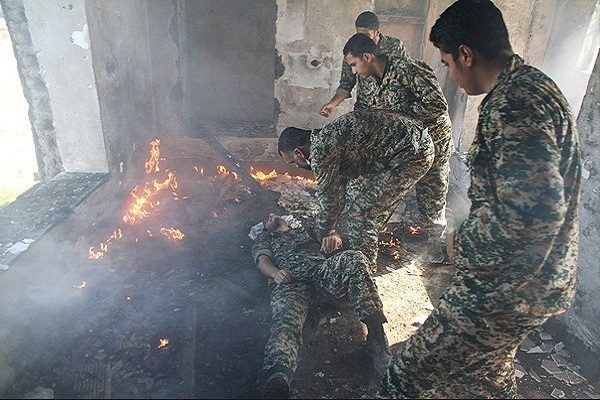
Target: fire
[(414, 230), (94, 255), (392, 241), (162, 343), (222, 171), (200, 171), (172, 233), (81, 285), (263, 177), (151, 164), (144, 201)]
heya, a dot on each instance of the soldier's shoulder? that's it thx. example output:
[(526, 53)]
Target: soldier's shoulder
[(392, 46)]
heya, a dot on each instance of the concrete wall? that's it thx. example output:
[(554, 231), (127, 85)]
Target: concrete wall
[(59, 32), (135, 63), (311, 31), (583, 319)]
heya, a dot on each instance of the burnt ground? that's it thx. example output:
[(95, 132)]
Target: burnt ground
[(62, 339)]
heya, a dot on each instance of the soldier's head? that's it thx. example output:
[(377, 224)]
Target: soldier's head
[(294, 146), (361, 54), (274, 222), (368, 23), (470, 34)]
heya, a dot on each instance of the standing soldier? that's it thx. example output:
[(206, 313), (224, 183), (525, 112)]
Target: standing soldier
[(291, 258), (370, 158), (516, 252), (367, 23), (410, 87)]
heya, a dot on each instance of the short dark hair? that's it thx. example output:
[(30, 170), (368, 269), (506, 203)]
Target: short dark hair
[(359, 44), (292, 138), (475, 23), (367, 19)]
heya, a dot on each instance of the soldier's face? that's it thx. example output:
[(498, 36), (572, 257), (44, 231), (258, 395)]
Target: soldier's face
[(461, 71), (273, 222), (374, 34), (297, 158), (360, 65)]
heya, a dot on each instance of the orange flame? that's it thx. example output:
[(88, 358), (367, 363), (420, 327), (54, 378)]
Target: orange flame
[(223, 171), (144, 202), (81, 285), (415, 230), (261, 176), (151, 163), (94, 255), (162, 343), (172, 233)]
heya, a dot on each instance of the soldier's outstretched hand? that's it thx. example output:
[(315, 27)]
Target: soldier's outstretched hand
[(331, 243)]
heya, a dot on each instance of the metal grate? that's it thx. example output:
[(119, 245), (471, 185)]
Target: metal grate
[(93, 382)]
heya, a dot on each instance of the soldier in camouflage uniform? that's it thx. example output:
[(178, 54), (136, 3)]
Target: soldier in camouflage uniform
[(376, 154), (410, 87), (367, 23), (291, 258), (516, 252)]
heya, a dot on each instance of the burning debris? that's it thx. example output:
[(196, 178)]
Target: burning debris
[(298, 193)]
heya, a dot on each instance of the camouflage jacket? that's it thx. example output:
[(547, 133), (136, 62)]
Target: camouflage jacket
[(294, 250), (410, 87), (522, 229), (358, 143), (388, 45)]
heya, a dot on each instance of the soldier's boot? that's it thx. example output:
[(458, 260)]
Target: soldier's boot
[(278, 385), (436, 254), (378, 348)]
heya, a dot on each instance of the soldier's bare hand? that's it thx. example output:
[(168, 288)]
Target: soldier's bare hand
[(326, 110), (282, 277), (331, 243)]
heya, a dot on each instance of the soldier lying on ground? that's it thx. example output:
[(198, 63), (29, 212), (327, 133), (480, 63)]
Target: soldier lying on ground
[(291, 258)]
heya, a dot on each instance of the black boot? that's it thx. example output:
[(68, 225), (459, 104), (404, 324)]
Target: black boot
[(377, 343), (279, 383)]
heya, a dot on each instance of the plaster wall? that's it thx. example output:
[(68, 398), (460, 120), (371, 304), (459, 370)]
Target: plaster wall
[(59, 32), (135, 64), (583, 319), (310, 37)]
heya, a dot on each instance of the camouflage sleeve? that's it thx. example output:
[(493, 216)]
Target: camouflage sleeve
[(426, 101), (262, 246), (520, 161), (347, 81), (326, 153), (392, 46)]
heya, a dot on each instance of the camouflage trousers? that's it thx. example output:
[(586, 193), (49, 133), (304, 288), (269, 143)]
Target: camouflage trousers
[(371, 199), (466, 348), (343, 274), (432, 188)]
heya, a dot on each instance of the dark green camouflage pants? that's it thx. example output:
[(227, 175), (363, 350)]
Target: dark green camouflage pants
[(371, 199), (432, 188), (466, 348), (343, 274)]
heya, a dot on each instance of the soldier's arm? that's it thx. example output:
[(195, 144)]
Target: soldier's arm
[(347, 81), (326, 161), (529, 207), (262, 255)]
